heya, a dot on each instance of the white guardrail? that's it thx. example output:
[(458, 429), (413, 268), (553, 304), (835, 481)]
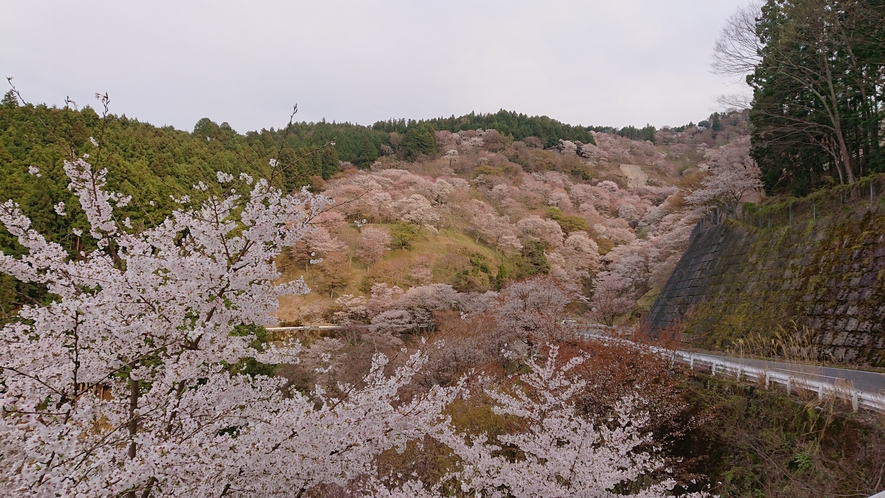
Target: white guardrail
[(747, 373), (858, 399)]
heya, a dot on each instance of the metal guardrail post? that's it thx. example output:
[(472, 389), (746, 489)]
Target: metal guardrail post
[(859, 399)]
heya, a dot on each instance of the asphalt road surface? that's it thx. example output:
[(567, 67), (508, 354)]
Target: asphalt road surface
[(871, 382)]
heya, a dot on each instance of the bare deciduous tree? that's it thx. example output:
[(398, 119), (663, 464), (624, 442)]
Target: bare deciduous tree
[(737, 50)]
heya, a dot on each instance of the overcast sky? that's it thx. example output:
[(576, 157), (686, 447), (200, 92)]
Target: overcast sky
[(591, 62)]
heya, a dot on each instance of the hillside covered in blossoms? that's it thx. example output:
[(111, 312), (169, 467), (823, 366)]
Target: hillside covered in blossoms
[(458, 260)]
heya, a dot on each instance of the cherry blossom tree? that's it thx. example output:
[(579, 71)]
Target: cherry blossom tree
[(363, 195), (351, 309), (608, 185), (124, 382), (559, 198), (635, 264), (372, 243), (382, 298), (611, 297), (731, 174), (562, 453), (579, 256), (533, 309), (617, 230), (548, 232), (332, 221), (320, 242), (417, 209), (438, 192), (451, 156), (422, 301), (592, 152), (471, 139), (445, 139), (494, 229), (394, 321), (567, 147)]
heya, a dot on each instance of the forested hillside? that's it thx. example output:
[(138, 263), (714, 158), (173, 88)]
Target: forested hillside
[(463, 299), (469, 250), (447, 201), (515, 125), (605, 220)]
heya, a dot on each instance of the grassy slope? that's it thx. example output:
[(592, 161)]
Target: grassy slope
[(447, 255)]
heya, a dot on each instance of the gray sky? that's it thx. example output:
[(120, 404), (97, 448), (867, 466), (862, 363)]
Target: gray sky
[(591, 62)]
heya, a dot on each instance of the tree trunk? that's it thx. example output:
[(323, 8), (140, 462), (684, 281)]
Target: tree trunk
[(133, 421)]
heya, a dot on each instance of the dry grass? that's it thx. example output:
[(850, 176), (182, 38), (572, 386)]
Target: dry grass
[(444, 254), (793, 343)]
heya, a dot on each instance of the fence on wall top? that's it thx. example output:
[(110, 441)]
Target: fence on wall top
[(866, 192)]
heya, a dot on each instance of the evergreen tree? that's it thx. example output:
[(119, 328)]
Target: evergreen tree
[(534, 259), (368, 153), (715, 123), (818, 105), (419, 139), (9, 99)]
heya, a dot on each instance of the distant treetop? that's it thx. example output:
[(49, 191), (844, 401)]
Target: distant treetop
[(517, 125)]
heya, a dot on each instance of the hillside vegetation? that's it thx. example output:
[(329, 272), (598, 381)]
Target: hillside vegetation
[(469, 258), (487, 210), (460, 258), (473, 202)]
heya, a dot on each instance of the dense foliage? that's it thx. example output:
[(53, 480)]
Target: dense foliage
[(818, 102), (147, 163), (757, 442), (647, 132), (516, 125), (353, 143)]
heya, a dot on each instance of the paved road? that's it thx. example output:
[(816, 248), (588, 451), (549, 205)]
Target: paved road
[(871, 382)]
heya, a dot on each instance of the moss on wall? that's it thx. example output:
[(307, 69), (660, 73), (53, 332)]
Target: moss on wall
[(823, 279)]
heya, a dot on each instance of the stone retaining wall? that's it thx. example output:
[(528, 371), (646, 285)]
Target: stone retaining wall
[(822, 279)]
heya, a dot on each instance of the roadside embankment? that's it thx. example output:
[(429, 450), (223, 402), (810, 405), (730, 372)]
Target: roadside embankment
[(817, 279)]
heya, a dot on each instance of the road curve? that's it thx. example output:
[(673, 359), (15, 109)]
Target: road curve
[(860, 380), (872, 382)]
